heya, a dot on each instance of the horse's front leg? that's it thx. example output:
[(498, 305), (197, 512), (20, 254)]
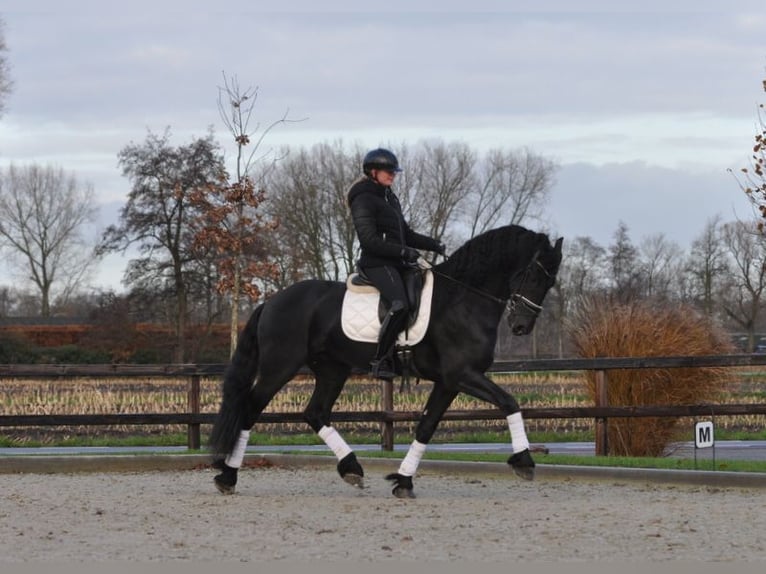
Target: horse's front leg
[(329, 383), (438, 402), (479, 386)]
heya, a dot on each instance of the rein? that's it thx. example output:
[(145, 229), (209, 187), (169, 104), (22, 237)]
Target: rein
[(471, 288), (515, 298)]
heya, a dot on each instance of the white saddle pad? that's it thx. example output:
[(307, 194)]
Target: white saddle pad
[(359, 314)]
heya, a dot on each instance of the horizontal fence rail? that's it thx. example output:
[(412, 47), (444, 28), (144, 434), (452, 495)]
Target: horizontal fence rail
[(515, 366), (387, 416)]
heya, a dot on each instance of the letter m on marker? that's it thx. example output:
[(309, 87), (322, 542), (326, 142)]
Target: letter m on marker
[(703, 434)]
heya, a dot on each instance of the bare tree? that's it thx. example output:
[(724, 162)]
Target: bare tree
[(6, 84), (582, 273), (157, 218), (623, 262), (308, 200), (338, 169), (747, 250), (707, 266), (660, 262), (442, 175), (583, 268), (511, 188), (752, 179), (229, 218), (43, 212), (315, 235), (446, 187)]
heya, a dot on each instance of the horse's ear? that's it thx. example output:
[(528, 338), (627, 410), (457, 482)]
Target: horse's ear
[(559, 242)]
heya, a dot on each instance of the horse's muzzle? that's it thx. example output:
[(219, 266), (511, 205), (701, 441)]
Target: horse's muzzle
[(519, 329)]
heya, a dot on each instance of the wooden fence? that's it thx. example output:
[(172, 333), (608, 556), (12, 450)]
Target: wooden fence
[(601, 411)]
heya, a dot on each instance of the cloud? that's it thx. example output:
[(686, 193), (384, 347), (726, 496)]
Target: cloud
[(644, 106), (160, 56), (592, 200)]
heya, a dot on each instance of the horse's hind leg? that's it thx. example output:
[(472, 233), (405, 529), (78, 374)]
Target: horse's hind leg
[(259, 397), (438, 402), (330, 379)]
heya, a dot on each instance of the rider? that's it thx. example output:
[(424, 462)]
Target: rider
[(388, 245)]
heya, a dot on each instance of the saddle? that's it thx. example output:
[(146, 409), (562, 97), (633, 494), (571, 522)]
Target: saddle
[(364, 309), (413, 285)]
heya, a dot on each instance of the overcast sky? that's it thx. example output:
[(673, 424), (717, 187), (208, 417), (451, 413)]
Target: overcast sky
[(644, 109)]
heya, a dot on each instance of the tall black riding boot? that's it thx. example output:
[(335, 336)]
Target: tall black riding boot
[(382, 366)]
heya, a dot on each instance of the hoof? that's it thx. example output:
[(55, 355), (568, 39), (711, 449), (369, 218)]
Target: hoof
[(225, 482), (351, 471), (523, 465), (222, 487), (402, 485), (354, 480)]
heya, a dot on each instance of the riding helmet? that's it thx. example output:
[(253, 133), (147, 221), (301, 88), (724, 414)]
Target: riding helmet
[(380, 159)]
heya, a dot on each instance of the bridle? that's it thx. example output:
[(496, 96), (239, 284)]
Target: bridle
[(515, 299)]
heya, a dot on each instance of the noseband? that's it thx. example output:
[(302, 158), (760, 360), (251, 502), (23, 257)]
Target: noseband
[(517, 298), (529, 305)]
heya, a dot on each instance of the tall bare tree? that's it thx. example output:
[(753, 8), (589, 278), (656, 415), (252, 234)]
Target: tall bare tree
[(157, 215), (582, 273), (447, 187), (752, 179), (511, 188), (308, 199), (583, 268), (660, 263), (229, 217), (6, 83), (707, 266), (443, 174), (744, 296), (623, 263), (307, 195), (338, 169), (43, 215)]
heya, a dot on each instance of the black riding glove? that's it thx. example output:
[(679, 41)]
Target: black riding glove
[(410, 255)]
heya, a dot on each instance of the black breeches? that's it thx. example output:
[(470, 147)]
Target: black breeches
[(389, 282)]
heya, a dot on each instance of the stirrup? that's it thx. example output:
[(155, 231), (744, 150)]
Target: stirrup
[(382, 369)]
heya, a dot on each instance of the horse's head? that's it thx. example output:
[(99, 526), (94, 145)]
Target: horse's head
[(530, 285)]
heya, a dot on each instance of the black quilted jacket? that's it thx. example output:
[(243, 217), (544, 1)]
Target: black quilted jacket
[(380, 225)]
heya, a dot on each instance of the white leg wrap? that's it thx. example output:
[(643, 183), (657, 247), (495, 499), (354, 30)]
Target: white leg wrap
[(336, 443), (411, 462), (236, 456), (518, 434)]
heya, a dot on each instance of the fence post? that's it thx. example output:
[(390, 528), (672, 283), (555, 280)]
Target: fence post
[(193, 429), (387, 406), (602, 400)]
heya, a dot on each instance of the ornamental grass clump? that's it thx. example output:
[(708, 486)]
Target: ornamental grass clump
[(604, 328)]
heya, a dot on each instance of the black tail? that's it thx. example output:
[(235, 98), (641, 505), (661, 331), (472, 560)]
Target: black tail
[(235, 412)]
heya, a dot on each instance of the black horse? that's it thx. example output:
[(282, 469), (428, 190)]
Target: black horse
[(509, 268)]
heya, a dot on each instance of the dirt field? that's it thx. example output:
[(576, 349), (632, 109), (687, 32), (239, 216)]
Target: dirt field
[(308, 513)]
